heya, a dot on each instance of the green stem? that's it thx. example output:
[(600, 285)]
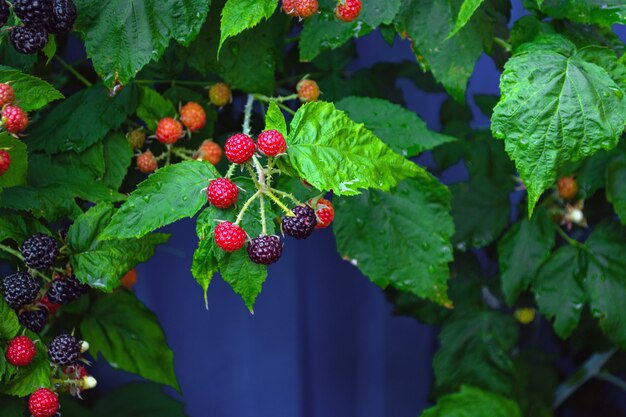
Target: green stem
[(181, 82), (568, 239), (286, 195), (71, 69), (287, 109), (231, 170), (257, 184), (259, 171), (182, 155), (263, 220), (247, 112), (12, 251), (168, 157), (246, 206), (277, 100), (504, 44), (618, 382), (279, 203)]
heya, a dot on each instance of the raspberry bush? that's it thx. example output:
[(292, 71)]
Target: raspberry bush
[(246, 117)]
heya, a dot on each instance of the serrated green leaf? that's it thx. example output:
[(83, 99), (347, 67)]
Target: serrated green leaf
[(16, 175), (244, 276), (334, 153), (82, 120), (117, 154), (9, 325), (50, 49), (122, 36), (239, 15), (51, 202), (324, 31), (401, 129), (129, 337), (555, 107), (32, 93), (171, 193), (473, 402), (153, 107), (465, 14), (558, 289), (616, 187), (18, 227), (604, 12), (522, 251), (274, 119), (23, 381), (204, 265), (374, 229)]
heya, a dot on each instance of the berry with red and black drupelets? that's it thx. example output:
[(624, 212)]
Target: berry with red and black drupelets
[(5, 12), (40, 251), (271, 142), (34, 319), (43, 403), (62, 18), (239, 148), (220, 94), (136, 138), (348, 10), (21, 351), (5, 161), (14, 119), (308, 91), (302, 224), (7, 94), (265, 250), (28, 40), (20, 289), (169, 130), (193, 116), (210, 151), (64, 290), (64, 350), (146, 162), (324, 211), (222, 193), (33, 13), (229, 236)]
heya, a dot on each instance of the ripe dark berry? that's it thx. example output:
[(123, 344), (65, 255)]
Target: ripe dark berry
[(7, 94), (4, 13), (229, 237), (348, 10), (32, 12), (220, 94), (62, 18), (40, 251), (271, 142), (324, 211), (34, 320), (308, 91), (5, 161), (43, 403), (222, 193), (265, 250), (28, 40), (210, 151), (21, 351), (136, 138), (146, 162), (193, 116), (239, 148), (20, 289), (302, 224), (65, 290), (169, 131), (64, 350), (568, 188), (14, 119)]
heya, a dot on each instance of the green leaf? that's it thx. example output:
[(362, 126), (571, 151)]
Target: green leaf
[(171, 193), (117, 154), (333, 153), (129, 337), (51, 202), (18, 227), (23, 381), (375, 229), (153, 107), (11, 406), (32, 93), (101, 263), (475, 349), (605, 12), (122, 36), (616, 186), (401, 129), (522, 250), (274, 119), (239, 15), (50, 49), (244, 276), (9, 325), (204, 264), (82, 120), (556, 107), (473, 402), (465, 14), (16, 175), (558, 289)]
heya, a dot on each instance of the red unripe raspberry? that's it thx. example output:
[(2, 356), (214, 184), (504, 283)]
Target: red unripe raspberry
[(129, 279), (169, 131), (271, 142), (14, 119), (193, 116), (220, 94), (229, 237), (7, 95), (49, 305), (210, 151), (146, 162), (239, 148), (5, 161), (289, 7), (21, 351), (43, 403), (308, 91), (568, 188), (324, 211), (348, 10), (222, 193), (305, 8)]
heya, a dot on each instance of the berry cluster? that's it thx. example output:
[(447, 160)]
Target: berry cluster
[(14, 120), (346, 10), (38, 18)]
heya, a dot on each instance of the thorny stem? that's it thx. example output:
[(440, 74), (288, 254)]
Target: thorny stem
[(257, 184), (287, 109), (246, 206), (286, 195), (12, 251), (247, 112), (259, 171), (263, 221), (277, 100), (279, 203), (168, 157), (181, 154), (231, 170), (504, 44), (72, 70)]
